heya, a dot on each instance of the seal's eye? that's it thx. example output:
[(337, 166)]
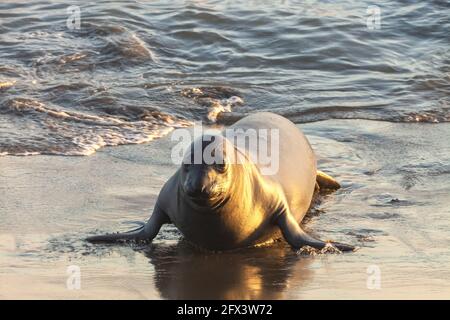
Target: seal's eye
[(221, 167)]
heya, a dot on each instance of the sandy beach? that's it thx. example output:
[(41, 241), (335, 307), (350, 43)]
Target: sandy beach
[(394, 205)]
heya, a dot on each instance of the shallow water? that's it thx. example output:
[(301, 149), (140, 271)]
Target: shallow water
[(125, 76), (134, 71)]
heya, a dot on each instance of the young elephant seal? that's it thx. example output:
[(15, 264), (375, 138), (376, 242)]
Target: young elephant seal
[(230, 202)]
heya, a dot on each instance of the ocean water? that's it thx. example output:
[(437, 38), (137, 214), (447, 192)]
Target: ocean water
[(130, 71), (373, 100)]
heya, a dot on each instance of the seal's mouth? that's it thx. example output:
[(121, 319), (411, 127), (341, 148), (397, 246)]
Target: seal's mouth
[(206, 199), (202, 197), (199, 196)]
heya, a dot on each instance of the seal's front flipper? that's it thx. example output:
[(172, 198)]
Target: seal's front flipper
[(298, 238), (133, 235), (326, 182), (146, 232)]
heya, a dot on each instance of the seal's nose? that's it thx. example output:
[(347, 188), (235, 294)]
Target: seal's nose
[(197, 187)]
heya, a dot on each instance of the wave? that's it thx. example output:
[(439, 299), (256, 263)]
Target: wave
[(349, 113), (100, 45), (7, 84), (217, 100), (40, 129), (116, 41), (431, 116), (131, 73), (44, 128)]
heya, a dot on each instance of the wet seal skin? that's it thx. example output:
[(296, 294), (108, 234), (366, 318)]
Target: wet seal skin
[(232, 204)]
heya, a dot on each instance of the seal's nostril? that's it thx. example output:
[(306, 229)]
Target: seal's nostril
[(189, 188), (192, 189)]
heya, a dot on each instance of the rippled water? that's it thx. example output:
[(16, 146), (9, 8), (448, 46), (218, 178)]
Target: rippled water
[(135, 70)]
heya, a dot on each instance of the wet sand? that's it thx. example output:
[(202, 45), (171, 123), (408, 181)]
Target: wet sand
[(394, 204)]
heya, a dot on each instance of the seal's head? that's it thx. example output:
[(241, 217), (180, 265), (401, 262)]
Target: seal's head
[(206, 169)]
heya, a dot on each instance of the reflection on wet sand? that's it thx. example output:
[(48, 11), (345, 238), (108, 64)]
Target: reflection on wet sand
[(184, 272)]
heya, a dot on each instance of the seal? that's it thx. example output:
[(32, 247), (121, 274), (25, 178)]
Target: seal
[(230, 202)]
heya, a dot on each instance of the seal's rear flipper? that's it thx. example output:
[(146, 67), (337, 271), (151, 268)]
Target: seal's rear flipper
[(326, 182), (146, 232), (298, 238)]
